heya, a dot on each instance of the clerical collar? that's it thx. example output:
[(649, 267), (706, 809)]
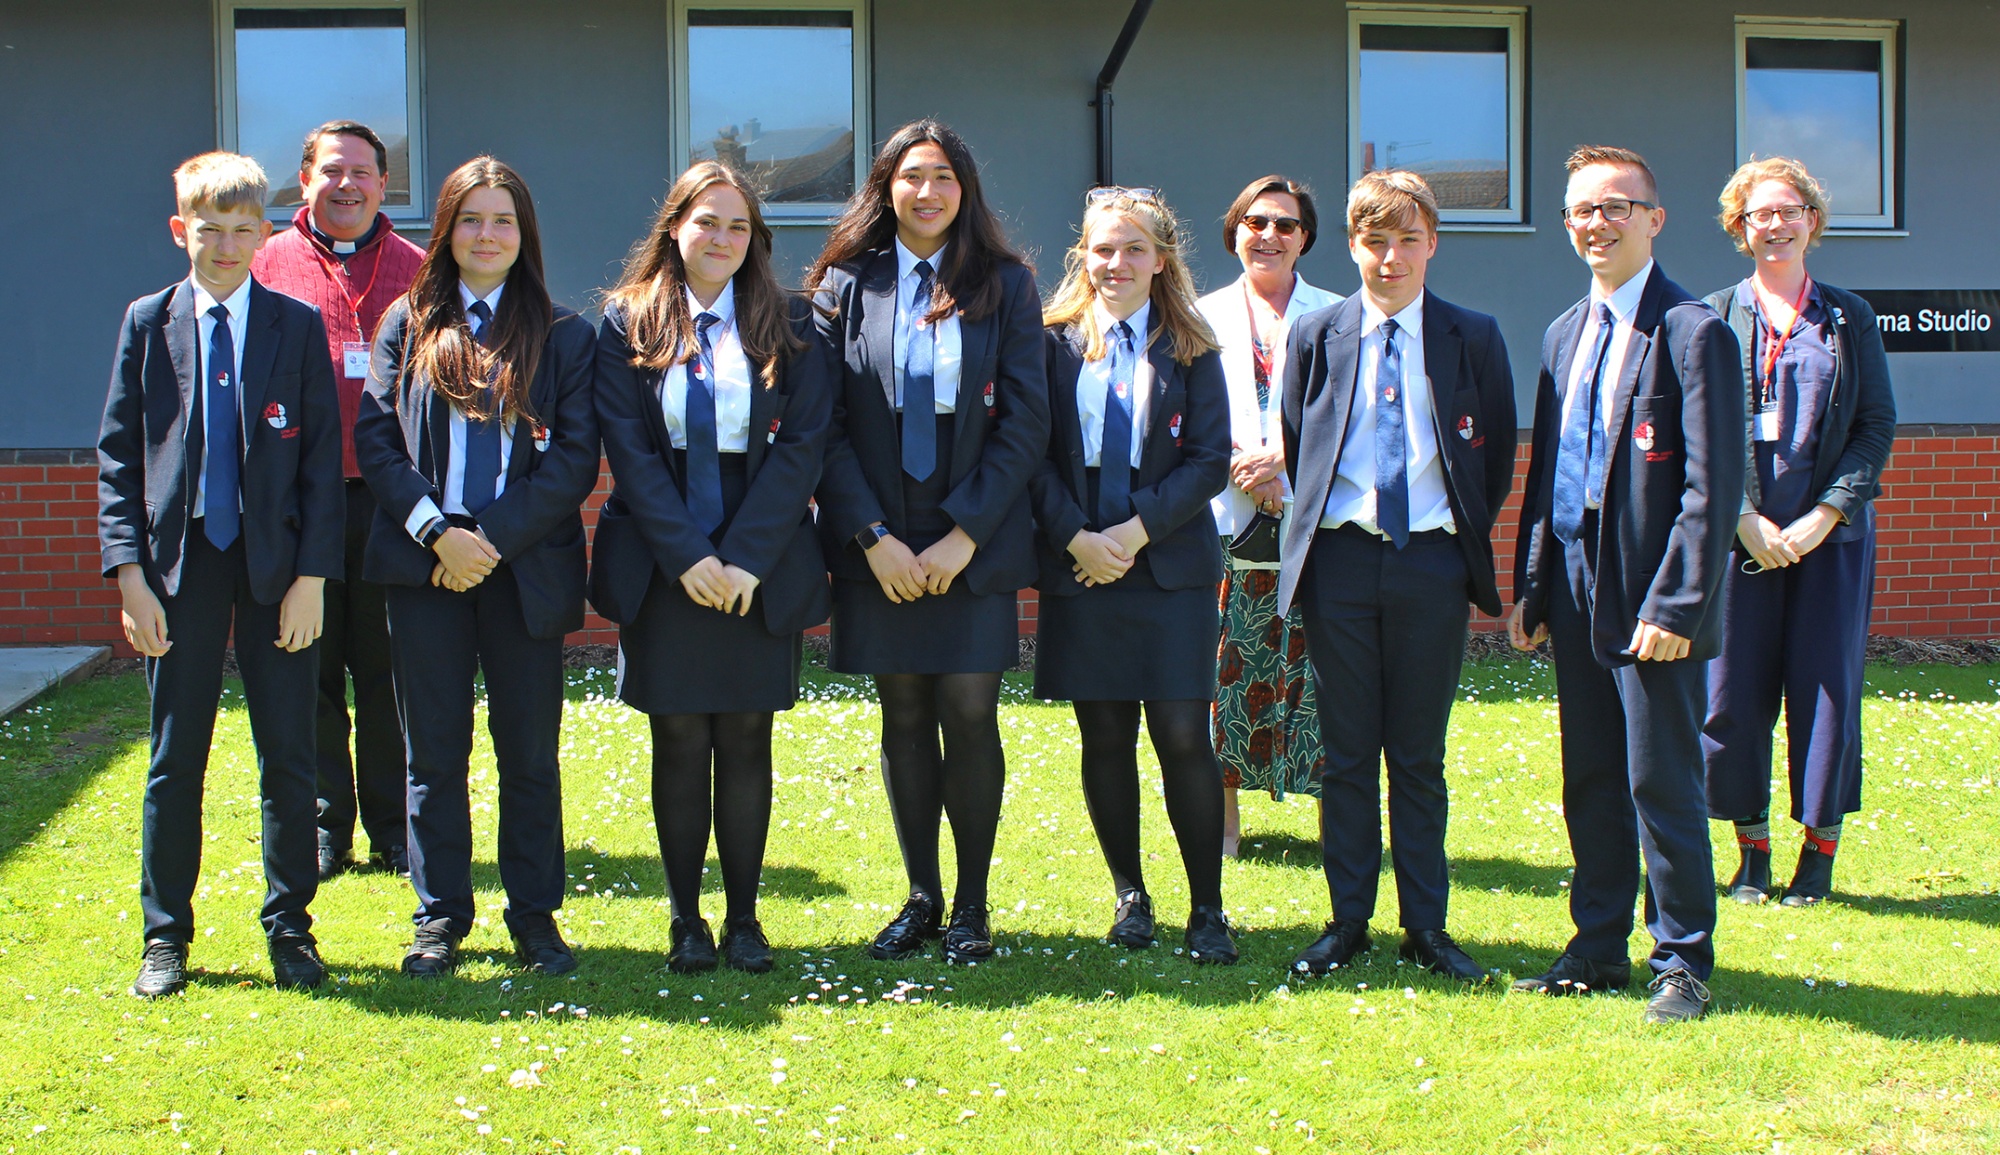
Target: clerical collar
[(342, 248)]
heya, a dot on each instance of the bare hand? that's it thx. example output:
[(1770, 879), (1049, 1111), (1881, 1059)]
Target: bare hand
[(1270, 496), (1650, 643), (1130, 535), (706, 583), (1805, 534), (742, 585), (1099, 560), (897, 569), (302, 615), (1254, 467), (1763, 541), (1518, 636), (467, 557), (144, 618), (946, 559)]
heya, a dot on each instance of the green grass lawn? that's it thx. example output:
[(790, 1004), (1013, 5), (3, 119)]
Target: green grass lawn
[(1868, 1025)]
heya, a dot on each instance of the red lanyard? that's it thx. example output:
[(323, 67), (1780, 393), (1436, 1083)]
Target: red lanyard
[(339, 277), (1262, 353), (1774, 342)]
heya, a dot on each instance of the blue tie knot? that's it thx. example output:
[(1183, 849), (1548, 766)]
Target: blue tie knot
[(220, 314), (1389, 329)]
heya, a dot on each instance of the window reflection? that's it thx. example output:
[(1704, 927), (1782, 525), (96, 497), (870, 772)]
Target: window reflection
[(1821, 102), (1434, 101), (297, 68), (772, 94)]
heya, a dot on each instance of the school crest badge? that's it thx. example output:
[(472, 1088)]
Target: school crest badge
[(275, 417), (1465, 427), (1642, 436)]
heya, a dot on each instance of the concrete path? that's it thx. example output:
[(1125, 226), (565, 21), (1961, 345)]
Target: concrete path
[(25, 671)]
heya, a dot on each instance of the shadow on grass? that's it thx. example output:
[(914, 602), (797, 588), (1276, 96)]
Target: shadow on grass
[(1982, 909), (644, 871), (90, 725), (1275, 849), (1508, 874)]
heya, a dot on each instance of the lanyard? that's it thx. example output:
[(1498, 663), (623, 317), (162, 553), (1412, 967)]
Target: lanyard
[(1774, 343), (340, 276), (1262, 354)]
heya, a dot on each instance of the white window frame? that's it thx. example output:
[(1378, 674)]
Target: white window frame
[(1514, 21), (1793, 28), (779, 213), (225, 97)]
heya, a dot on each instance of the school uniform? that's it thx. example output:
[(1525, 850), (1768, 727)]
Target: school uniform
[(1152, 634), (221, 532), (674, 656), (989, 425), (415, 449)]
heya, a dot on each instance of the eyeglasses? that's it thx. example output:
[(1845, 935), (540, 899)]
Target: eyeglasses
[(1790, 214), (1286, 226), (1613, 210), (1110, 192)]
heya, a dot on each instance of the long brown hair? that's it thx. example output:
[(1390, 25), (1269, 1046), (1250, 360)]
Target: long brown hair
[(652, 291), (967, 281), (1172, 293), (439, 343)]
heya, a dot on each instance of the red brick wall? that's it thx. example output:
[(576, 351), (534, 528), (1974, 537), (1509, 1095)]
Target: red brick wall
[(1938, 569)]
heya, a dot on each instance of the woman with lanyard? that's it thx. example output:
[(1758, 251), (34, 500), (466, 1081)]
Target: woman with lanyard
[(1266, 725), (1129, 552), (939, 420), (713, 397), (1796, 600)]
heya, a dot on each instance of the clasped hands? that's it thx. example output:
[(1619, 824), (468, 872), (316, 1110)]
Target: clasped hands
[(1261, 474), (1103, 558), (1774, 548), (907, 576), (718, 585), (465, 558)]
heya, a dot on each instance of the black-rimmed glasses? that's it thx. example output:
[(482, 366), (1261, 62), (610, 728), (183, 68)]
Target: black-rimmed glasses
[(1615, 210), (1790, 214)]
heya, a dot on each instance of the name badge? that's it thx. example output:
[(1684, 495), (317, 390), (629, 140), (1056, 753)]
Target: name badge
[(1767, 423), (354, 359)]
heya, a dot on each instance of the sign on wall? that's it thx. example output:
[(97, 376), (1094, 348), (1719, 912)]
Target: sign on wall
[(1937, 320)]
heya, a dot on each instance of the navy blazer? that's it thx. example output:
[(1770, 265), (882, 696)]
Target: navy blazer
[(1673, 481), (1472, 418), (294, 502), (402, 440), (1001, 425), (644, 532), (1185, 463)]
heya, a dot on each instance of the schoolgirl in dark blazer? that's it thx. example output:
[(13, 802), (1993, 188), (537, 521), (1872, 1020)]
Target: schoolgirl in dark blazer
[(713, 396), (477, 437), (923, 508), (1129, 554)]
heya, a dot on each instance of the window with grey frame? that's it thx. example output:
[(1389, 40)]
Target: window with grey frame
[(1438, 93), (771, 93), (1828, 100)]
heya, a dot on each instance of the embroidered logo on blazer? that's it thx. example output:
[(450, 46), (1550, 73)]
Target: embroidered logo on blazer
[(274, 415), (1642, 435), (990, 409), (540, 433), (772, 436), (1174, 428), (1465, 427)]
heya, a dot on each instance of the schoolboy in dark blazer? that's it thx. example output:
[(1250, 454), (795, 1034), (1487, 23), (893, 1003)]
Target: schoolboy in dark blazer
[(220, 507)]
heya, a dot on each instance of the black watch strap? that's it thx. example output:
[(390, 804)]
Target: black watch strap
[(871, 536), (432, 531)]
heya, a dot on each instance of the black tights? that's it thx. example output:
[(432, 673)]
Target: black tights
[(964, 779), (1193, 780), (741, 747)]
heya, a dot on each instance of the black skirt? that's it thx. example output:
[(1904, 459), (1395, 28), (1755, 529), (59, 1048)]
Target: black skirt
[(1130, 641)]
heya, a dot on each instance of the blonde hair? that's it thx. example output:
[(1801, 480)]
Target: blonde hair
[(1389, 199), (221, 180), (1736, 194), (1172, 295), (1587, 155)]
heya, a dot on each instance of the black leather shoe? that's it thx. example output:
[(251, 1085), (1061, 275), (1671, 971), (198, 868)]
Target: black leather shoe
[(921, 918), (1344, 938), (1812, 882), (967, 939), (1752, 883), (538, 945), (435, 951), (333, 860), (1435, 951), (694, 947), (295, 962), (395, 860), (1678, 997), (1208, 938), (1132, 925), (162, 969), (744, 946), (1572, 975)]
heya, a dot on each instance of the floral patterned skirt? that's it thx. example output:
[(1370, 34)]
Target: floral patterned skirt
[(1265, 719)]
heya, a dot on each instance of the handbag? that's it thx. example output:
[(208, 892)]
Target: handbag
[(1257, 543)]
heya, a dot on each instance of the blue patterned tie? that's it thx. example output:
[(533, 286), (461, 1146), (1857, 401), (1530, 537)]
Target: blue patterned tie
[(1114, 450), (704, 456), (920, 383), (1392, 480), (1580, 454), (482, 437), (222, 519)]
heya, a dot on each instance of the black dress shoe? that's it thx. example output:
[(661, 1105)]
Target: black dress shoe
[(744, 946), (295, 962), (966, 938), (435, 951), (921, 918), (1812, 882), (538, 945), (333, 860), (1435, 951), (694, 947), (1208, 938), (1572, 975), (162, 969), (1132, 925), (1678, 997), (1752, 882), (395, 860), (1344, 938)]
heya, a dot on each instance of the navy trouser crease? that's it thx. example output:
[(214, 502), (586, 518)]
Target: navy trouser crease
[(369, 782)]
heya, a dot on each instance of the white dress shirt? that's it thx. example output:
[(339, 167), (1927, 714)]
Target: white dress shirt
[(731, 384), (238, 305), (950, 348), (1624, 302), (453, 485), (1352, 498), (1093, 387)]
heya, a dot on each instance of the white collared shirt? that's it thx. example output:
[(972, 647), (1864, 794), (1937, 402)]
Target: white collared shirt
[(950, 348), (731, 385), (238, 305), (1624, 302), (453, 486), (1093, 386), (1352, 498)]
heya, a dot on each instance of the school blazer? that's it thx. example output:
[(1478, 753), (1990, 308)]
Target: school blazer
[(402, 440), (294, 506), (1184, 465), (644, 532), (1472, 418), (1000, 432), (1673, 476)]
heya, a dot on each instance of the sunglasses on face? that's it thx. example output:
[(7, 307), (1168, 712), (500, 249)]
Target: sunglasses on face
[(1286, 226), (1613, 210), (1790, 214)]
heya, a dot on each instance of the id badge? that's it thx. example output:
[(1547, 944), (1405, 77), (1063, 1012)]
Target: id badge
[(354, 359), (1767, 423)]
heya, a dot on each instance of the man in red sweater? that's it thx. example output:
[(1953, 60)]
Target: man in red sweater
[(342, 255)]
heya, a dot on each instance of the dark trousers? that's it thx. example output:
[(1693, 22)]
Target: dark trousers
[(1796, 636), (1632, 791), (186, 684), (356, 642), (1385, 632), (440, 639)]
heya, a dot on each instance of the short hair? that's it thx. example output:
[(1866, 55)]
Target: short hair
[(1240, 208), (1736, 194), (220, 180), (1390, 198), (353, 128), (1590, 154)]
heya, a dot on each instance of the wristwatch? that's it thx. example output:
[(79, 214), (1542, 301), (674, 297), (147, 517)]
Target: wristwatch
[(869, 537), (433, 530)]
